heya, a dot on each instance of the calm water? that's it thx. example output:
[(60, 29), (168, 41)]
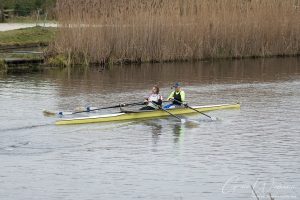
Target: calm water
[(258, 145)]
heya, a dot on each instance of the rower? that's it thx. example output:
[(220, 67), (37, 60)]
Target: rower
[(178, 94), (154, 101)]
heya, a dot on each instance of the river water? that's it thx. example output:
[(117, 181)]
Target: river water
[(258, 145), (15, 26)]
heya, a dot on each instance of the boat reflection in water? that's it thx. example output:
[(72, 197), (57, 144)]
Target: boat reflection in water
[(178, 132), (178, 128)]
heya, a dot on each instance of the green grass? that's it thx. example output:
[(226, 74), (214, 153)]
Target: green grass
[(26, 36), (29, 19)]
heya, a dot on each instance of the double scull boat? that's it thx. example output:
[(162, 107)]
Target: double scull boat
[(121, 116)]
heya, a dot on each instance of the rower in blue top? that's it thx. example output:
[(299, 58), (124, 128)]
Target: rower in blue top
[(177, 97)]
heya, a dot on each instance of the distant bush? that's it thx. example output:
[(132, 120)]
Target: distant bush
[(27, 7)]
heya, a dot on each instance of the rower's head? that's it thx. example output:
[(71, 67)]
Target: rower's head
[(155, 89), (177, 87)]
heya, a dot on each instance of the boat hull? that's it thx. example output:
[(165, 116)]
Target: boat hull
[(144, 114)]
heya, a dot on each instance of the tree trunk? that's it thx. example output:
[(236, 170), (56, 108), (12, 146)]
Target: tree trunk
[(1, 12)]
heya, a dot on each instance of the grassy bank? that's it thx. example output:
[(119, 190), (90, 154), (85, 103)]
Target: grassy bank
[(12, 44), (29, 20), (27, 36), (168, 30)]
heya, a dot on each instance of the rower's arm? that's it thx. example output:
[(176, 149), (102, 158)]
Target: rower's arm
[(182, 94), (171, 95), (159, 102)]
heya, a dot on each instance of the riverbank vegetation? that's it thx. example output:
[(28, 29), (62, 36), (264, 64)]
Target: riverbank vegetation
[(25, 47), (105, 31), (34, 36), (26, 10)]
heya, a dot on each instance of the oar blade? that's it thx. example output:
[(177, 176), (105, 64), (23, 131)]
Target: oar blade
[(48, 113)]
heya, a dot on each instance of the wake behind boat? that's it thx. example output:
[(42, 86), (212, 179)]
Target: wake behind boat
[(133, 115)]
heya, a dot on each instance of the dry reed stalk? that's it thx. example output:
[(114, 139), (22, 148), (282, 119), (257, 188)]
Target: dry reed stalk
[(170, 30)]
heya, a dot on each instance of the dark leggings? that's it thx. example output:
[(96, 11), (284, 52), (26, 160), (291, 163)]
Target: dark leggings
[(147, 108)]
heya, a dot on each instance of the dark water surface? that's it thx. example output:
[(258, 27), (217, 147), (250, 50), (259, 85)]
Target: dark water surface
[(258, 145)]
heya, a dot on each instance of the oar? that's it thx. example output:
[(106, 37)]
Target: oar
[(180, 119), (212, 118), (160, 107), (48, 113)]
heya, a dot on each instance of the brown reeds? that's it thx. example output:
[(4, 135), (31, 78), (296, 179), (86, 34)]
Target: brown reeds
[(169, 30)]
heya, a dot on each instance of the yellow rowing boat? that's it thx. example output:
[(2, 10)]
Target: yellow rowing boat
[(143, 114)]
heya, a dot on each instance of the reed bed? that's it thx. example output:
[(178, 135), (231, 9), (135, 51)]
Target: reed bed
[(103, 31)]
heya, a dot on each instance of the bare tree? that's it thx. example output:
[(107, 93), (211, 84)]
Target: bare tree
[(1, 12)]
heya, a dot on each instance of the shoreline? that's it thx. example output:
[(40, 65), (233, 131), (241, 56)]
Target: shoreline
[(31, 65), (25, 46), (11, 42), (16, 26)]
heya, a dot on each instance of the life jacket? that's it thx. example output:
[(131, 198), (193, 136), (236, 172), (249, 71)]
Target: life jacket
[(177, 96)]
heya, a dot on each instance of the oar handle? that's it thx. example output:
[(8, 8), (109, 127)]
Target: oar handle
[(184, 103)]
